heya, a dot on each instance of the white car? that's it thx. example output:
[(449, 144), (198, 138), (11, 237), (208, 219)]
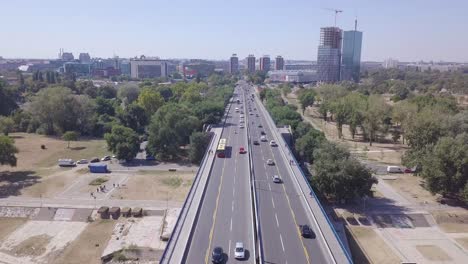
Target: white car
[(241, 116), (241, 126), (270, 162), (276, 179), (82, 161), (241, 121), (263, 139), (239, 251), (273, 143)]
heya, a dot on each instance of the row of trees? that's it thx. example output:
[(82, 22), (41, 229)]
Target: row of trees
[(337, 175)]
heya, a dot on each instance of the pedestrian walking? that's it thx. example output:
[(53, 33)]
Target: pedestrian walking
[(97, 189)]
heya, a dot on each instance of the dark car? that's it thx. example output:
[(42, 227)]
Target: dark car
[(94, 160), (305, 231), (260, 125), (255, 142), (150, 157), (262, 133), (217, 256)]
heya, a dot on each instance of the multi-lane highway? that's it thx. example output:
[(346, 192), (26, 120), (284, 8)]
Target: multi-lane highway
[(280, 210), (226, 216)]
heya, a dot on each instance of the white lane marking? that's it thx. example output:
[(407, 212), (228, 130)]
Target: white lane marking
[(277, 223), (230, 228), (269, 186), (273, 202), (229, 250), (232, 207), (282, 245)]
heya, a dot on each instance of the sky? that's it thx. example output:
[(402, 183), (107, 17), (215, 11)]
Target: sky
[(407, 30)]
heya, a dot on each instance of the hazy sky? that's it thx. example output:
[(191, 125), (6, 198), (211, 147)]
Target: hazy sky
[(407, 30)]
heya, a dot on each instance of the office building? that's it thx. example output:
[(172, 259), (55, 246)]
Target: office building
[(234, 64), (390, 63), (195, 67), (279, 63), (301, 76), (84, 58), (351, 58), (264, 63), (251, 63), (67, 56), (148, 68), (329, 55), (76, 68)]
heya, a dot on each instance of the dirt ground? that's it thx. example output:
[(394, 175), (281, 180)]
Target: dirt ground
[(411, 187), (373, 248), (463, 242), (37, 172), (452, 221), (433, 253), (158, 185), (32, 247), (88, 247), (388, 153), (32, 157), (8, 225)]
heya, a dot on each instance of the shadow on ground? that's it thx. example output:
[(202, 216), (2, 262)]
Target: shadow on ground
[(12, 182)]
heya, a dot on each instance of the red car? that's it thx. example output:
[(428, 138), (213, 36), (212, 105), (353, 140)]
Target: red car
[(241, 150), (221, 155)]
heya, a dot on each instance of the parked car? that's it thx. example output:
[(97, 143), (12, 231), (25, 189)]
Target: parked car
[(217, 256), (105, 158), (150, 157), (82, 161), (270, 162), (94, 160), (394, 169), (305, 231), (276, 179), (239, 251)]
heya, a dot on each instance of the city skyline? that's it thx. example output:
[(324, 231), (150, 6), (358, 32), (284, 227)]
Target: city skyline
[(212, 30)]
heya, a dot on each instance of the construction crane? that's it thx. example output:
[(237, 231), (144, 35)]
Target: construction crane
[(336, 12)]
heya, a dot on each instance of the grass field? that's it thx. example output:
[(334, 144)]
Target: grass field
[(156, 185)]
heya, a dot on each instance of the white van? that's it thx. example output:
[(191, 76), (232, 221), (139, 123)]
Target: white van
[(394, 169)]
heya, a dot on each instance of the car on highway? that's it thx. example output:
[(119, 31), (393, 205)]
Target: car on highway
[(217, 256), (273, 143), (260, 125), (241, 121), (255, 142), (241, 126), (106, 158), (242, 150), (262, 133), (241, 116), (263, 139), (256, 115), (276, 179), (237, 109), (305, 231), (270, 162), (239, 251)]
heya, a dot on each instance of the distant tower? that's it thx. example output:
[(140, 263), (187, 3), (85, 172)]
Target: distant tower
[(351, 61), (234, 64), (329, 55), (265, 63), (279, 63), (251, 63)]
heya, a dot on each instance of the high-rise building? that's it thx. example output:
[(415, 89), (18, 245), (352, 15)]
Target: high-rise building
[(148, 68), (329, 55), (279, 63), (264, 63), (85, 58), (251, 63), (351, 61), (67, 56), (234, 64)]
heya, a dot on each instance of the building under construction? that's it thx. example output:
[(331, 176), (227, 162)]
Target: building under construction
[(329, 55)]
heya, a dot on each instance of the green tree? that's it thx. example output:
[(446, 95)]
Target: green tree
[(338, 175), (7, 151), (123, 142), (70, 136), (199, 141), (308, 143), (107, 91), (306, 98), (150, 100), (128, 93), (445, 167), (134, 117), (376, 113), (6, 125)]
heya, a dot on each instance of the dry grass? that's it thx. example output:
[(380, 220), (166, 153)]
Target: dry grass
[(31, 156), (372, 246), (452, 221), (411, 187), (9, 225), (88, 247), (156, 185), (433, 253), (463, 242), (33, 246)]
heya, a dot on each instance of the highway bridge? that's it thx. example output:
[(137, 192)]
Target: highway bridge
[(234, 199)]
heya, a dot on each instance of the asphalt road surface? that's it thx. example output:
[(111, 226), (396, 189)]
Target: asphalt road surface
[(226, 212), (279, 205)]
